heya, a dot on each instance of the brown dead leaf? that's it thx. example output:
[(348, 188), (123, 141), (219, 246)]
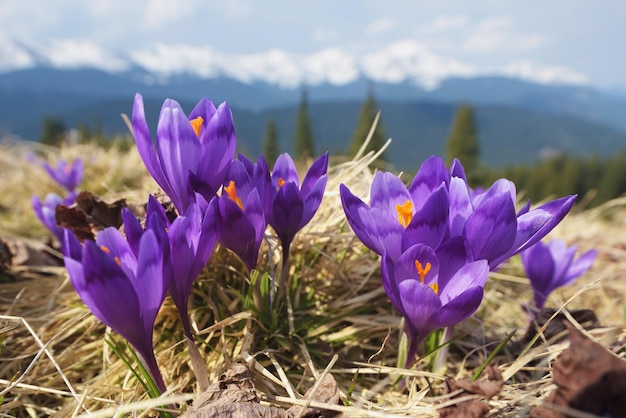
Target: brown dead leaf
[(233, 396), (327, 392), (104, 214), (76, 221), (474, 408), (89, 215), (589, 378)]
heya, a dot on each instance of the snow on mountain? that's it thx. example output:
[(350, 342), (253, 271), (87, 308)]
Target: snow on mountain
[(398, 62)]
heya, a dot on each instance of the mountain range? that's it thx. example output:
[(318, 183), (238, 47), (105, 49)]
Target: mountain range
[(518, 120)]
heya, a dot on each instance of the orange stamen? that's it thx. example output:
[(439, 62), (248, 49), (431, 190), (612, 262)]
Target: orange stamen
[(423, 271), (435, 287), (404, 213), (281, 181), (231, 191), (196, 124)]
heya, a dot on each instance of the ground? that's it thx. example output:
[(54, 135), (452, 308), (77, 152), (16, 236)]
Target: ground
[(54, 360)]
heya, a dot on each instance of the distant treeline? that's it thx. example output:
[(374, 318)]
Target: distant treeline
[(595, 180)]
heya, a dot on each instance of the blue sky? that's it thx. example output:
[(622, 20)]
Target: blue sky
[(582, 39)]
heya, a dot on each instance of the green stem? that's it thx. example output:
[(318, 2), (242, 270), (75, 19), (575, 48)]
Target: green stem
[(439, 366)]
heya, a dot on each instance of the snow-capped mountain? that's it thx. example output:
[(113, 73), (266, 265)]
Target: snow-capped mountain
[(402, 61)]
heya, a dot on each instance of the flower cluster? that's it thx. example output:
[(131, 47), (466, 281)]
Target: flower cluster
[(124, 279), (439, 239)]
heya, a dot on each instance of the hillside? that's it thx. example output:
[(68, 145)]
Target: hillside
[(518, 121)]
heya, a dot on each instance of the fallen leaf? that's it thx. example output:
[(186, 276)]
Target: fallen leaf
[(589, 378), (474, 408)]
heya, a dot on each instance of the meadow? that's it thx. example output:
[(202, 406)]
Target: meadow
[(54, 360)]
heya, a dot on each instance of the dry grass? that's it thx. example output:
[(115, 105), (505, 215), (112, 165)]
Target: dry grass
[(54, 361)]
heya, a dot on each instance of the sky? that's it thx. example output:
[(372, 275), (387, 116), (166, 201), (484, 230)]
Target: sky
[(576, 41)]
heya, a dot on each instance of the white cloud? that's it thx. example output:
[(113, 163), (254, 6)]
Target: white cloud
[(13, 57), (331, 65), (274, 66), (544, 74), (379, 26), (406, 60), (411, 60), (163, 59), (76, 53)]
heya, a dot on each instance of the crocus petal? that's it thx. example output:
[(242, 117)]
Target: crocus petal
[(459, 308), (460, 205), (430, 175), (145, 146), (429, 224), (178, 149), (562, 256), (420, 303), (313, 199), (537, 223), (500, 186), (287, 212), (109, 294), (208, 232), (236, 233), (132, 229), (72, 248), (285, 169), (453, 254), (387, 272), (110, 239), (579, 267), (539, 266), (149, 282), (318, 169), (218, 148), (491, 229), (470, 275), (406, 268), (374, 227), (387, 191), (457, 171), (206, 110)]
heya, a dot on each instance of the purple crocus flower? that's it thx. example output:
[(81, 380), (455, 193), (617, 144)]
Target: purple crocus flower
[(439, 205), (552, 265), (433, 289), (188, 243), (123, 287), (192, 152), (46, 211), (294, 206), (68, 176), (242, 209)]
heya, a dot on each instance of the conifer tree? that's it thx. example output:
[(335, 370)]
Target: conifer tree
[(52, 131), (271, 148), (304, 145), (462, 141), (369, 109)]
